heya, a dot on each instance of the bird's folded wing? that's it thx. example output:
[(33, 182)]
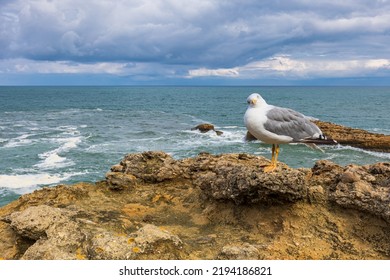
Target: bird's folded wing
[(287, 122)]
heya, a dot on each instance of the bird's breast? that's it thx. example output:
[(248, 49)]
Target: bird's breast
[(254, 121)]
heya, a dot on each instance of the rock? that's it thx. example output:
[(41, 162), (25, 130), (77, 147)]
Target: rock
[(34, 222), (316, 194), (150, 234), (365, 188), (106, 246), (239, 252), (231, 178), (57, 236), (355, 137), (149, 167), (9, 248), (119, 181), (139, 245), (152, 206), (349, 177), (206, 127)]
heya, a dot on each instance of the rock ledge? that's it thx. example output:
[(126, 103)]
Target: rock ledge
[(152, 206)]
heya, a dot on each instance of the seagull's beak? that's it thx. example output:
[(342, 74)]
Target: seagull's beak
[(253, 101)]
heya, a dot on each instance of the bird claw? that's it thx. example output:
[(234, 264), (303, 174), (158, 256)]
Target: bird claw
[(269, 168)]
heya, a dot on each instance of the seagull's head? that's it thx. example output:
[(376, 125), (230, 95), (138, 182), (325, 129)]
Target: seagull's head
[(255, 100)]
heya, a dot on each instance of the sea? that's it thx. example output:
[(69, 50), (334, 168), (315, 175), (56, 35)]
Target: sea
[(68, 134)]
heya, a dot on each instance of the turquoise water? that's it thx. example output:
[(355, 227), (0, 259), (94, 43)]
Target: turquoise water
[(61, 135)]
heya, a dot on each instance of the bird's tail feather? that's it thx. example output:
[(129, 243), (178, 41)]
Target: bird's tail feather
[(319, 141), (313, 142)]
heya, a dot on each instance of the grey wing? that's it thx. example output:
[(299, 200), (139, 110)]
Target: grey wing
[(283, 121)]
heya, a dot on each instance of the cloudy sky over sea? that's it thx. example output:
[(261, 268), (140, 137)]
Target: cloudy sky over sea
[(194, 42)]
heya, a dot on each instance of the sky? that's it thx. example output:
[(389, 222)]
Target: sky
[(198, 42)]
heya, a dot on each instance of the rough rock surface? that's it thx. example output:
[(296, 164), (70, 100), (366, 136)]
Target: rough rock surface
[(152, 206), (355, 137), (206, 127)]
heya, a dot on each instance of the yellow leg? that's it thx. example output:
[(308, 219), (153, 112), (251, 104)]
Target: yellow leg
[(276, 153), (274, 159)]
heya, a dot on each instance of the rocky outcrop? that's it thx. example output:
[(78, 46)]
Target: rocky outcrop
[(355, 137), (58, 233), (206, 127), (152, 206), (366, 188)]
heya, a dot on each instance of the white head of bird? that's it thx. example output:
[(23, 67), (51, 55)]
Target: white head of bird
[(255, 100)]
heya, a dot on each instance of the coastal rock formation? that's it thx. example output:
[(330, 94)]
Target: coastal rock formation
[(152, 206), (206, 127), (355, 137)]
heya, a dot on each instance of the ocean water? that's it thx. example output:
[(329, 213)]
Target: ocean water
[(63, 135)]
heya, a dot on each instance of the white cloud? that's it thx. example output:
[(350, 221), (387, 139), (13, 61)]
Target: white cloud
[(24, 66), (203, 72), (284, 66), (138, 71)]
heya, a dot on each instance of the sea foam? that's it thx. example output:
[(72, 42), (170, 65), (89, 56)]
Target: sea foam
[(52, 159), (30, 180), (21, 140)]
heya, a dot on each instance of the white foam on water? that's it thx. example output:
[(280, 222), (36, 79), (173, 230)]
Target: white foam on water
[(32, 180), (372, 153), (26, 183), (21, 140), (211, 137), (52, 159), (69, 143)]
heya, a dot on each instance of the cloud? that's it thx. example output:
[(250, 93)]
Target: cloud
[(24, 66), (140, 71), (205, 38), (102, 30), (283, 66), (203, 72)]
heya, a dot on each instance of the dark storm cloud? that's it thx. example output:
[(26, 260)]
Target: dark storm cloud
[(190, 34)]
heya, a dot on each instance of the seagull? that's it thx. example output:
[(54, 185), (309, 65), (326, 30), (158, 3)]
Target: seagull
[(276, 125)]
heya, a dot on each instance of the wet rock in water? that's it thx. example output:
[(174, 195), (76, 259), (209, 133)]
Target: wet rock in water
[(206, 127), (355, 137)]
